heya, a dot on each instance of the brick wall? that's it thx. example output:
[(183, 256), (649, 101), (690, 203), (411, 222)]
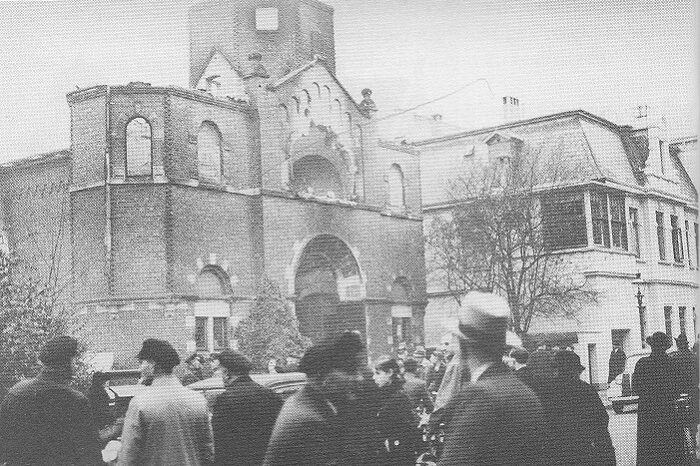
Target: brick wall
[(237, 128), (230, 27), (88, 139), (36, 209), (88, 244), (211, 227), (138, 240)]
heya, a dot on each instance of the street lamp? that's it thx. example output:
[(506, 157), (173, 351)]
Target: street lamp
[(642, 309)]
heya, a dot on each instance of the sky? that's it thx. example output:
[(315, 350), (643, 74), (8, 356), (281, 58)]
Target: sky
[(606, 57)]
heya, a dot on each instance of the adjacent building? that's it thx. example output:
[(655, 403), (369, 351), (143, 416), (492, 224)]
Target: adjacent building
[(624, 212), (171, 204)]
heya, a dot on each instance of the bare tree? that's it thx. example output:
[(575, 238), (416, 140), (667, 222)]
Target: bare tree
[(493, 236)]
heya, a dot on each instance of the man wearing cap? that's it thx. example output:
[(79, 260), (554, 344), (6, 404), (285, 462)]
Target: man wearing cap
[(309, 430), (165, 423), (43, 421), (658, 439), (243, 416), (496, 419)]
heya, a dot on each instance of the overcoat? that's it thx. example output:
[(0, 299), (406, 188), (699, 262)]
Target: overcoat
[(497, 420), (398, 427), (43, 421), (306, 432), (167, 424), (576, 429), (417, 391), (243, 417), (658, 435), (685, 368)]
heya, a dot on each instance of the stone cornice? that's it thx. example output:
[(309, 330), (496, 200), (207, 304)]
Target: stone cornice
[(319, 5), (198, 96), (338, 203), (399, 147)]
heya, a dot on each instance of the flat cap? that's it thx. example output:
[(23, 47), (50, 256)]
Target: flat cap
[(59, 351), (234, 362)]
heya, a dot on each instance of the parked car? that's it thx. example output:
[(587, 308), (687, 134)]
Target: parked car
[(620, 392), (284, 384)]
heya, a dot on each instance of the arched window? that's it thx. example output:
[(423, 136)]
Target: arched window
[(318, 89), (209, 152), (284, 112), (295, 99), (138, 148), (396, 186)]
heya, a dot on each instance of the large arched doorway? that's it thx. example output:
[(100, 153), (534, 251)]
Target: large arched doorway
[(329, 289)]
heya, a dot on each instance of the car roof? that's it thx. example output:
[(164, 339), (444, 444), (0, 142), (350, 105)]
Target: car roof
[(266, 380)]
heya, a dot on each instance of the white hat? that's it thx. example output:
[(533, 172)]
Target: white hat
[(482, 316), (512, 339)]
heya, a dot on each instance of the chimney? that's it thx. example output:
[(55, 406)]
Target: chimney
[(511, 109), (653, 128)]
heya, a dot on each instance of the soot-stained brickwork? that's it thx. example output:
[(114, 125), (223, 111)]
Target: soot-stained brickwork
[(172, 204)]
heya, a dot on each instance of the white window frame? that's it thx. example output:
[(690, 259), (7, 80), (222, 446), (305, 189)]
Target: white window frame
[(209, 309)]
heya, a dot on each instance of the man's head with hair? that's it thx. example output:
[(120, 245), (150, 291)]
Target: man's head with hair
[(520, 355), (157, 357), (59, 352), (333, 365), (194, 358), (410, 365)]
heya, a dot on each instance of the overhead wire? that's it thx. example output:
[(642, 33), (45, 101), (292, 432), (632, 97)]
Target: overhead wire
[(403, 112)]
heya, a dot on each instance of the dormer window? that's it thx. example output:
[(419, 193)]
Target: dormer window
[(266, 19)]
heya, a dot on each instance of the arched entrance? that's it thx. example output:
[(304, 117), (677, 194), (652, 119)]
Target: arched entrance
[(329, 289)]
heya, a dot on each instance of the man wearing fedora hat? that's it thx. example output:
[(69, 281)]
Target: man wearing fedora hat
[(577, 422), (165, 423), (43, 421), (496, 418), (658, 438)]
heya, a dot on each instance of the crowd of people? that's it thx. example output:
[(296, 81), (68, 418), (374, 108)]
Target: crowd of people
[(496, 404)]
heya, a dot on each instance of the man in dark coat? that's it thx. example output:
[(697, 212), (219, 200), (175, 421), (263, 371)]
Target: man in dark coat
[(415, 387), (658, 436), (243, 416), (496, 418), (685, 368), (43, 421), (308, 430), (577, 422), (616, 363)]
